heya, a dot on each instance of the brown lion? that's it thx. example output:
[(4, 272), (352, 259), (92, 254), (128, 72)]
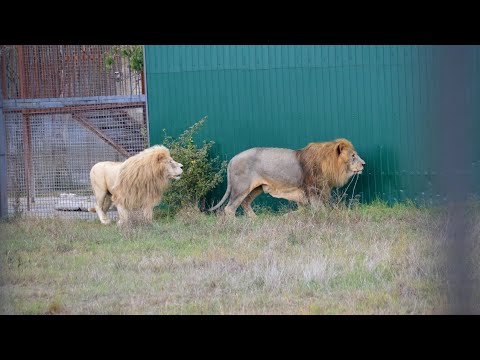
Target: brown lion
[(297, 175), (137, 183)]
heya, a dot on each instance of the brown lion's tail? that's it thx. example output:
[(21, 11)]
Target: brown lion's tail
[(92, 209), (227, 193)]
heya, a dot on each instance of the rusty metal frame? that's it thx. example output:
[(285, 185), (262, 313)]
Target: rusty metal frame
[(3, 163), (74, 106), (85, 123), (27, 132)]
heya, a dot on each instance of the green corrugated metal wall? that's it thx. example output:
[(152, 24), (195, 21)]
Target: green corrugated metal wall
[(382, 98)]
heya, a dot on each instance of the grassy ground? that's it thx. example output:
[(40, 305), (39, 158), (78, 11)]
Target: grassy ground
[(372, 259)]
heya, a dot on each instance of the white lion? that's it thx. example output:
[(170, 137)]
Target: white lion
[(138, 183)]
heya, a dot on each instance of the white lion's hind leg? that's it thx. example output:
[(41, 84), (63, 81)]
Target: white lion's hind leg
[(102, 216), (99, 208)]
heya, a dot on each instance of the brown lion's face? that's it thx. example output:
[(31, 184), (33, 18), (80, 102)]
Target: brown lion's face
[(355, 163), (349, 157), (174, 169)]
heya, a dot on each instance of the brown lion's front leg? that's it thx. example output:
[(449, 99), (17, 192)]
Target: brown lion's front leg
[(319, 198), (318, 204)]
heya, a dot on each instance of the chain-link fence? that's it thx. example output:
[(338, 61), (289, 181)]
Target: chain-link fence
[(64, 110)]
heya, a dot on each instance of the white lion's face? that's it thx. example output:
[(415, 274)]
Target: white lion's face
[(174, 169)]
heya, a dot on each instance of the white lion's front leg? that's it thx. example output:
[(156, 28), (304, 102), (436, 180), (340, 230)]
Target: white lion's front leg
[(122, 215), (148, 214)]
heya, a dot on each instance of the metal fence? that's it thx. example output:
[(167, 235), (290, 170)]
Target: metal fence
[(64, 111)]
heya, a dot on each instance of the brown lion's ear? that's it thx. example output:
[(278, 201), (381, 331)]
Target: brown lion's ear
[(342, 145)]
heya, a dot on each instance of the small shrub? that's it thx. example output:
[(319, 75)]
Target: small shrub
[(201, 173), (134, 54)]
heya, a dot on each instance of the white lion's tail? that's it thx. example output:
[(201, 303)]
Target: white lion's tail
[(227, 193)]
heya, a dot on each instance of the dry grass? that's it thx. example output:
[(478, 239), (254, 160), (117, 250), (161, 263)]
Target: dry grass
[(372, 259)]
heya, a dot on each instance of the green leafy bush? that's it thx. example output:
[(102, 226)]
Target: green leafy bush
[(134, 54), (201, 173)]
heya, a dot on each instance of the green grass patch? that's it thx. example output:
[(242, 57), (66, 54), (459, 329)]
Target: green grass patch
[(370, 259)]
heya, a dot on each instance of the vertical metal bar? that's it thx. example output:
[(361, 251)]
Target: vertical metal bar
[(21, 72), (102, 76), (46, 68), (89, 71), (56, 71), (37, 74), (75, 79), (68, 71), (3, 163), (3, 75), (144, 76), (25, 123)]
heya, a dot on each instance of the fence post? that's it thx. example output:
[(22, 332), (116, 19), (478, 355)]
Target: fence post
[(3, 163), (144, 84)]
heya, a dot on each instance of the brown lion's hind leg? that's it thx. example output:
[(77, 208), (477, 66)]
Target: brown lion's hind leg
[(234, 203), (230, 211), (247, 203), (238, 193)]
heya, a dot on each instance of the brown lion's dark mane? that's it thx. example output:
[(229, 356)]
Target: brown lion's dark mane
[(324, 166)]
